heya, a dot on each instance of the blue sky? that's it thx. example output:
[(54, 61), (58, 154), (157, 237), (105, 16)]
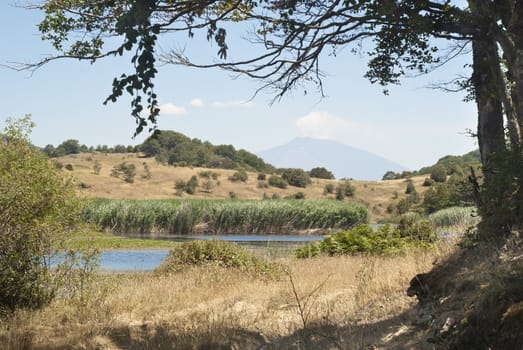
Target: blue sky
[(414, 126)]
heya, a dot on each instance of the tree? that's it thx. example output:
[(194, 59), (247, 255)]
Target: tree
[(321, 173), (438, 174), (407, 37), (295, 177), (37, 209)]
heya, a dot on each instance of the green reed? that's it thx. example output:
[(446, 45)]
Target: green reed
[(182, 216)]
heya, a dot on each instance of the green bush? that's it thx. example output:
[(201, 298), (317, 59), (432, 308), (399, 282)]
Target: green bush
[(217, 253), (262, 177), (363, 239), (239, 176), (297, 195), (439, 174), (69, 167), (296, 177), (38, 210), (410, 188), (321, 173), (188, 187), (436, 198), (428, 182), (125, 170), (276, 181), (328, 189)]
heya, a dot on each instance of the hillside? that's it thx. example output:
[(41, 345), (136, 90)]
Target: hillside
[(376, 195), (344, 161)]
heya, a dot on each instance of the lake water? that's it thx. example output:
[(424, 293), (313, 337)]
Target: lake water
[(265, 246)]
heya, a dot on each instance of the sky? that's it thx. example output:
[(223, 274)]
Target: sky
[(413, 126)]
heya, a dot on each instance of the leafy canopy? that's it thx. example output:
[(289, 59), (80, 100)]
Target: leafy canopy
[(37, 210)]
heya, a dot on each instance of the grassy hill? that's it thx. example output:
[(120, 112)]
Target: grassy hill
[(159, 183)]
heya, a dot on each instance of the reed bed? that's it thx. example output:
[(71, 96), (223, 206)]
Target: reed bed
[(455, 217), (178, 216)]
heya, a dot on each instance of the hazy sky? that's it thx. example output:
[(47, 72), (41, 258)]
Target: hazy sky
[(414, 126)]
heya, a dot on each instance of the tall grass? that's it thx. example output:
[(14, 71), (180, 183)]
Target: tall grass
[(221, 216), (455, 217)]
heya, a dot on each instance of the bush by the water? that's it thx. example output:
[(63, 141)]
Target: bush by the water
[(221, 216), (218, 253), (364, 239), (38, 208)]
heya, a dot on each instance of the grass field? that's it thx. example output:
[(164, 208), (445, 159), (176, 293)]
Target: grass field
[(375, 195), (343, 302)]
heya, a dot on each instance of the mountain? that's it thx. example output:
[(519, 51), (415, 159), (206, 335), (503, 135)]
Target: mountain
[(344, 161)]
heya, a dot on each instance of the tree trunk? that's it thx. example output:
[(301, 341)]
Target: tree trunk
[(491, 137)]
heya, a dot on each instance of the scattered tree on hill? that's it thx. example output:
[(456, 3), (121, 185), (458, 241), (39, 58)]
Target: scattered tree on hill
[(277, 181), (439, 174), (295, 177), (125, 170), (410, 188), (239, 176), (321, 173), (177, 149), (295, 34), (391, 175)]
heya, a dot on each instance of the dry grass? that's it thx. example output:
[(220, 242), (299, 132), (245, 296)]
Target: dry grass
[(376, 195), (343, 302)]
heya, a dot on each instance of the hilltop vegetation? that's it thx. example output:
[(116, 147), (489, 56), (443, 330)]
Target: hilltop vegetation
[(174, 148)]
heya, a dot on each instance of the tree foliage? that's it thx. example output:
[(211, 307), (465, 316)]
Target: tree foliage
[(37, 208), (321, 173), (177, 149)]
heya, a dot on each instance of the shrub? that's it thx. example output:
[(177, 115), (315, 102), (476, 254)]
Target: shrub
[(180, 184), (297, 195), (321, 173), (328, 189), (436, 198), (439, 174), (188, 187), (238, 176), (391, 175), (262, 184), (340, 194), (69, 167), (207, 186), (410, 188), (363, 239), (428, 182), (207, 174), (38, 208), (233, 195), (216, 253), (125, 170), (276, 181), (97, 167), (296, 177), (147, 171), (262, 177)]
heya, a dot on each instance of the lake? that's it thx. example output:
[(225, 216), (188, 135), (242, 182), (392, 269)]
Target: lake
[(264, 246)]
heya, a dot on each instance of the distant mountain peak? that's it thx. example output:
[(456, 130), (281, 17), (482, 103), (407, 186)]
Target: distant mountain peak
[(344, 161)]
